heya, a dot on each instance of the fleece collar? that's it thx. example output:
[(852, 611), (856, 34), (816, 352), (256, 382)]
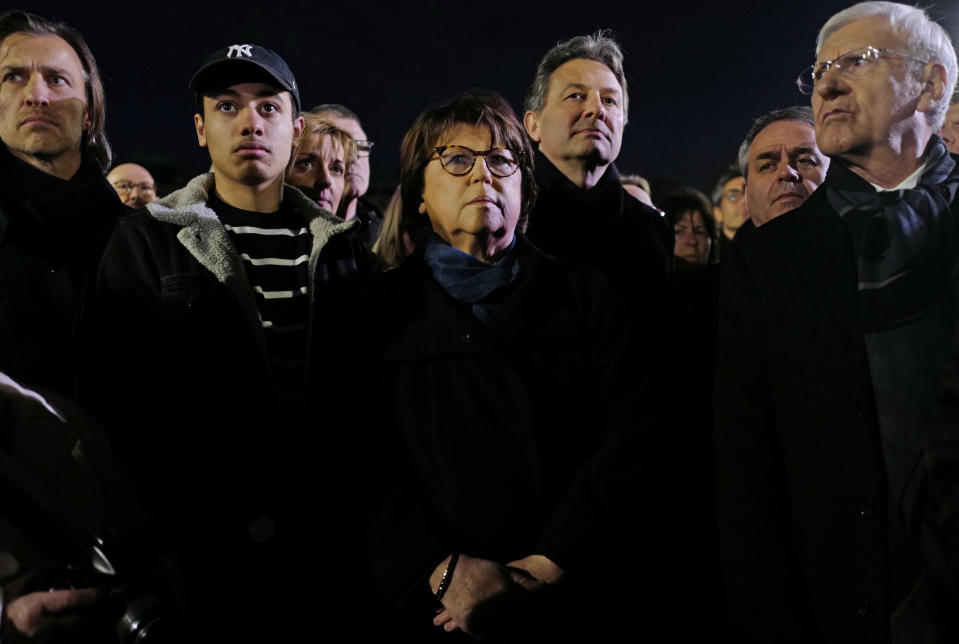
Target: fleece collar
[(204, 236)]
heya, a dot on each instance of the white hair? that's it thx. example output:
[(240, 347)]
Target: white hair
[(925, 39)]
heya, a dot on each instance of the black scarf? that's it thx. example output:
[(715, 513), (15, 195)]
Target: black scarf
[(905, 240), (64, 221)]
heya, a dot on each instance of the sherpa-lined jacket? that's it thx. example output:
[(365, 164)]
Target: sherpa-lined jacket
[(187, 394)]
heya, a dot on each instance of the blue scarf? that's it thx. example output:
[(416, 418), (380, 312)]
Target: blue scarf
[(468, 279)]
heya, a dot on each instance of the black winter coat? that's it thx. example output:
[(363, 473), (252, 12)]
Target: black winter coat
[(803, 493), (239, 483), (503, 440), (604, 227), (52, 233)]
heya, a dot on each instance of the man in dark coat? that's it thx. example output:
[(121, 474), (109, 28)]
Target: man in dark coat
[(835, 322), (729, 206), (576, 109), (56, 207), (56, 210), (205, 305)]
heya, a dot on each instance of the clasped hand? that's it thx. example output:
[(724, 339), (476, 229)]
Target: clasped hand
[(484, 594)]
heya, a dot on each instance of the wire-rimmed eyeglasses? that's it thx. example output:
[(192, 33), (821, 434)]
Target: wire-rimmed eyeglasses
[(853, 63), (733, 195), (459, 160), (126, 187), (363, 148)]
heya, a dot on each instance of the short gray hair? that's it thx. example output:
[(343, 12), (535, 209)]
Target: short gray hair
[(341, 111), (801, 113), (598, 46), (925, 39)]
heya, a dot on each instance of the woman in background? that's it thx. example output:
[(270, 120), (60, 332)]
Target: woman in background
[(394, 244), (689, 213), (322, 158)]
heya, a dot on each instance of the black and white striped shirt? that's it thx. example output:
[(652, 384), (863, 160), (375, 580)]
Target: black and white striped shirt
[(275, 249)]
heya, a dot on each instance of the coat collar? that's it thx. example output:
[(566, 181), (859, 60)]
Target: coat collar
[(821, 250), (207, 240), (204, 236), (550, 179)]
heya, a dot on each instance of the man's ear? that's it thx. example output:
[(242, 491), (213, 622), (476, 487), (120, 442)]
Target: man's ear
[(531, 121), (298, 124), (200, 132), (422, 208), (718, 214), (933, 91)]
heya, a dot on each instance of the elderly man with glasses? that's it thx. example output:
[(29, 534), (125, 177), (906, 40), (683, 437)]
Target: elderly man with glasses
[(134, 184), (835, 322)]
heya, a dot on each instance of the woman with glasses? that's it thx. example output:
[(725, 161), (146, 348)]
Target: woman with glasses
[(321, 161), (510, 402)]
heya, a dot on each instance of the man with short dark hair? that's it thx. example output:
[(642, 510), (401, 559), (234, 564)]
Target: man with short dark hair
[(576, 110), (353, 204), (217, 287), (729, 207), (835, 324), (56, 211), (780, 163)]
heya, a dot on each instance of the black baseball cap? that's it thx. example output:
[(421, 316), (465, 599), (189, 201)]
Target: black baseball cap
[(244, 64)]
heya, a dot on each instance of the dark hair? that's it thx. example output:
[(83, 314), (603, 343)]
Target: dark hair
[(727, 175), (801, 113), (94, 140), (597, 46), (474, 107), (689, 199)]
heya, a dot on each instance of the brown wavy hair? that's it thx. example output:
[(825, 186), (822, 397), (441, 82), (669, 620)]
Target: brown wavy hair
[(476, 107)]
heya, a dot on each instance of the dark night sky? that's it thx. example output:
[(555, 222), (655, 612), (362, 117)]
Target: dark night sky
[(698, 74)]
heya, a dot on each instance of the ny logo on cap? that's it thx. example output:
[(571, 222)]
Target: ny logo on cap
[(238, 51)]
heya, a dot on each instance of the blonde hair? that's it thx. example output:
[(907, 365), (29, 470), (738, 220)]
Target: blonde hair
[(390, 244), (314, 129)]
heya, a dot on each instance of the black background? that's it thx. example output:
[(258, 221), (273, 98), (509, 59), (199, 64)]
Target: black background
[(698, 74)]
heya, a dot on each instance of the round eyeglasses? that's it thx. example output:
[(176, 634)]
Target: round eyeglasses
[(853, 64), (459, 160)]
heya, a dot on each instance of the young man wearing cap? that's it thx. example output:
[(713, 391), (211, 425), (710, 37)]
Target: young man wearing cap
[(205, 306)]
